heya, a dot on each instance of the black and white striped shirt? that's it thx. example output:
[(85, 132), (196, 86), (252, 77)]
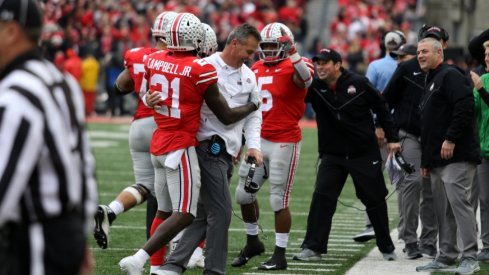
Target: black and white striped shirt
[(46, 167)]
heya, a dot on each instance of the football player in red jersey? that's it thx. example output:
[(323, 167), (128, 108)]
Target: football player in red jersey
[(140, 133), (142, 127), (179, 82), (208, 47), (282, 77)]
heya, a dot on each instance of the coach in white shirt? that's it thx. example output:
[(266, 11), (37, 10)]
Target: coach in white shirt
[(218, 145)]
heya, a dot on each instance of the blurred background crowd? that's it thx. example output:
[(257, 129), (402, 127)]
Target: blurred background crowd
[(88, 38)]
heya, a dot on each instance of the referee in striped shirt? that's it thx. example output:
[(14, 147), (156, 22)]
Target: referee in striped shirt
[(47, 185)]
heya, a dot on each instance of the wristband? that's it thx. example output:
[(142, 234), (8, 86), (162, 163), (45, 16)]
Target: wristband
[(295, 58)]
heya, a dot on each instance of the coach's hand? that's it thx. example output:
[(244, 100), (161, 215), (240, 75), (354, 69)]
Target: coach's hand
[(393, 147), (447, 149), (256, 154), (380, 134)]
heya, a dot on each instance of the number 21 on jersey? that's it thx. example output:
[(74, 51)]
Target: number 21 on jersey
[(168, 89)]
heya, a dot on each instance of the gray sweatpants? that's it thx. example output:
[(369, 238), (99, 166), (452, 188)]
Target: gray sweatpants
[(451, 186), (415, 198), (213, 216)]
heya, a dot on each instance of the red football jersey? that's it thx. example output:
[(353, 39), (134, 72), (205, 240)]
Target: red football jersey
[(283, 102), (182, 80), (134, 62)]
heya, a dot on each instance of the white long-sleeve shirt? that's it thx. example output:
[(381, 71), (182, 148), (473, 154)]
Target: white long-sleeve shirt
[(235, 84)]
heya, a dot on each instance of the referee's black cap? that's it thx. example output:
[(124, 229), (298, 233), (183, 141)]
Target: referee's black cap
[(26, 12)]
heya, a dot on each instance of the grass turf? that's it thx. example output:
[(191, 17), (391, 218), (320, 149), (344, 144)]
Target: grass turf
[(114, 173)]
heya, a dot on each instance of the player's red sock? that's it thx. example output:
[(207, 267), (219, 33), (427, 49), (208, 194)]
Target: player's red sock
[(201, 244), (158, 258)]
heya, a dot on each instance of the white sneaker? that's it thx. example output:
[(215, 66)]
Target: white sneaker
[(197, 259), (468, 267), (307, 254), (130, 266)]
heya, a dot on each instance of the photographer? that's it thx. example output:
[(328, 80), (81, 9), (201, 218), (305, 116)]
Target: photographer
[(343, 102)]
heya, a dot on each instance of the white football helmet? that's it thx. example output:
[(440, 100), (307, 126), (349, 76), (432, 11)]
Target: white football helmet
[(186, 33), (209, 44), (162, 24), (269, 36)]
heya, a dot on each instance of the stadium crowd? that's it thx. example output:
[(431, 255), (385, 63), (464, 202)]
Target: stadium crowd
[(199, 121), (108, 28)]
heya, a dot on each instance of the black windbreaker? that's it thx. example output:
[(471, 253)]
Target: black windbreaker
[(403, 94), (447, 113), (344, 116)]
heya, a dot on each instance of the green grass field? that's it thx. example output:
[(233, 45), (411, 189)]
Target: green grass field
[(114, 173)]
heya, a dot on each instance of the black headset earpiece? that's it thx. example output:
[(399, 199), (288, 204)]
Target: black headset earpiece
[(403, 37)]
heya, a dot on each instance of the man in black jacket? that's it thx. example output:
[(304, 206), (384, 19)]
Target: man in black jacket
[(450, 153), (343, 102), (403, 94)]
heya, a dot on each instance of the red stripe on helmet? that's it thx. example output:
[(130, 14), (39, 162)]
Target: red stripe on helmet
[(174, 28), (268, 31), (161, 20)]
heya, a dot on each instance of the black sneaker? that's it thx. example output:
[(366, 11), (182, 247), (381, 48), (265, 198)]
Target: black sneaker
[(412, 251), (247, 253), (274, 263), (103, 219), (428, 251)]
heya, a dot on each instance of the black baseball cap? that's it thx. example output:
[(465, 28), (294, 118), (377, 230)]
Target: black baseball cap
[(327, 55), (406, 49), (436, 32), (26, 12)]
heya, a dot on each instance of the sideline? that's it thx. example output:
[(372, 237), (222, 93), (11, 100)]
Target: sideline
[(374, 264)]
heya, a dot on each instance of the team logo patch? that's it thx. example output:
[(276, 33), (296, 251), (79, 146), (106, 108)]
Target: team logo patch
[(248, 80), (351, 90)]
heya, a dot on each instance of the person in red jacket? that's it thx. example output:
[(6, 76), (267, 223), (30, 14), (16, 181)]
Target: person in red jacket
[(73, 64)]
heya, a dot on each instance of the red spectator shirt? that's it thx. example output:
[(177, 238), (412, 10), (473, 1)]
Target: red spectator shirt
[(182, 80), (134, 62), (283, 102)]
